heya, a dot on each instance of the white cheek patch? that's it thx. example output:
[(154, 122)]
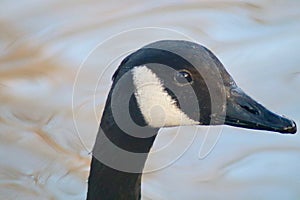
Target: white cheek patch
[(156, 105)]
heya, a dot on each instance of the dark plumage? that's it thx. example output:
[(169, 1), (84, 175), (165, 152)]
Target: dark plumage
[(199, 87)]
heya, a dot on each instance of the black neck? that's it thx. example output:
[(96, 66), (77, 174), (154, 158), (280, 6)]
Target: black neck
[(114, 175)]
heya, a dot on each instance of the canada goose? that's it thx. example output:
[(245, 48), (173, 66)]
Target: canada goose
[(166, 83)]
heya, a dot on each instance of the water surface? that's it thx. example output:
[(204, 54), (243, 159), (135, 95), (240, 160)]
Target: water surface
[(46, 60)]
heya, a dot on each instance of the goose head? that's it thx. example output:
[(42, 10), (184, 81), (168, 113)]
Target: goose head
[(164, 84), (172, 83)]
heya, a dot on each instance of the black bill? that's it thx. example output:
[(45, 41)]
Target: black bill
[(243, 111)]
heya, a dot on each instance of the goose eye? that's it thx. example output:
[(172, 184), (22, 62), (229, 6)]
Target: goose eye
[(183, 77)]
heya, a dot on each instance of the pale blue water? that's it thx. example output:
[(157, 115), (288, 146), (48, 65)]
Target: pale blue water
[(46, 52)]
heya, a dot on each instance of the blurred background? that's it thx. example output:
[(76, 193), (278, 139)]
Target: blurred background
[(56, 62)]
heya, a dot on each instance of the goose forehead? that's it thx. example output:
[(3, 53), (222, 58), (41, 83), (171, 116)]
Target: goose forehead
[(156, 105)]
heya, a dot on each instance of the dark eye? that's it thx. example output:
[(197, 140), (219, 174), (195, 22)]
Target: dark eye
[(183, 77)]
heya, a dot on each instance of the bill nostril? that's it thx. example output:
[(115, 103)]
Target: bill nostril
[(250, 109)]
